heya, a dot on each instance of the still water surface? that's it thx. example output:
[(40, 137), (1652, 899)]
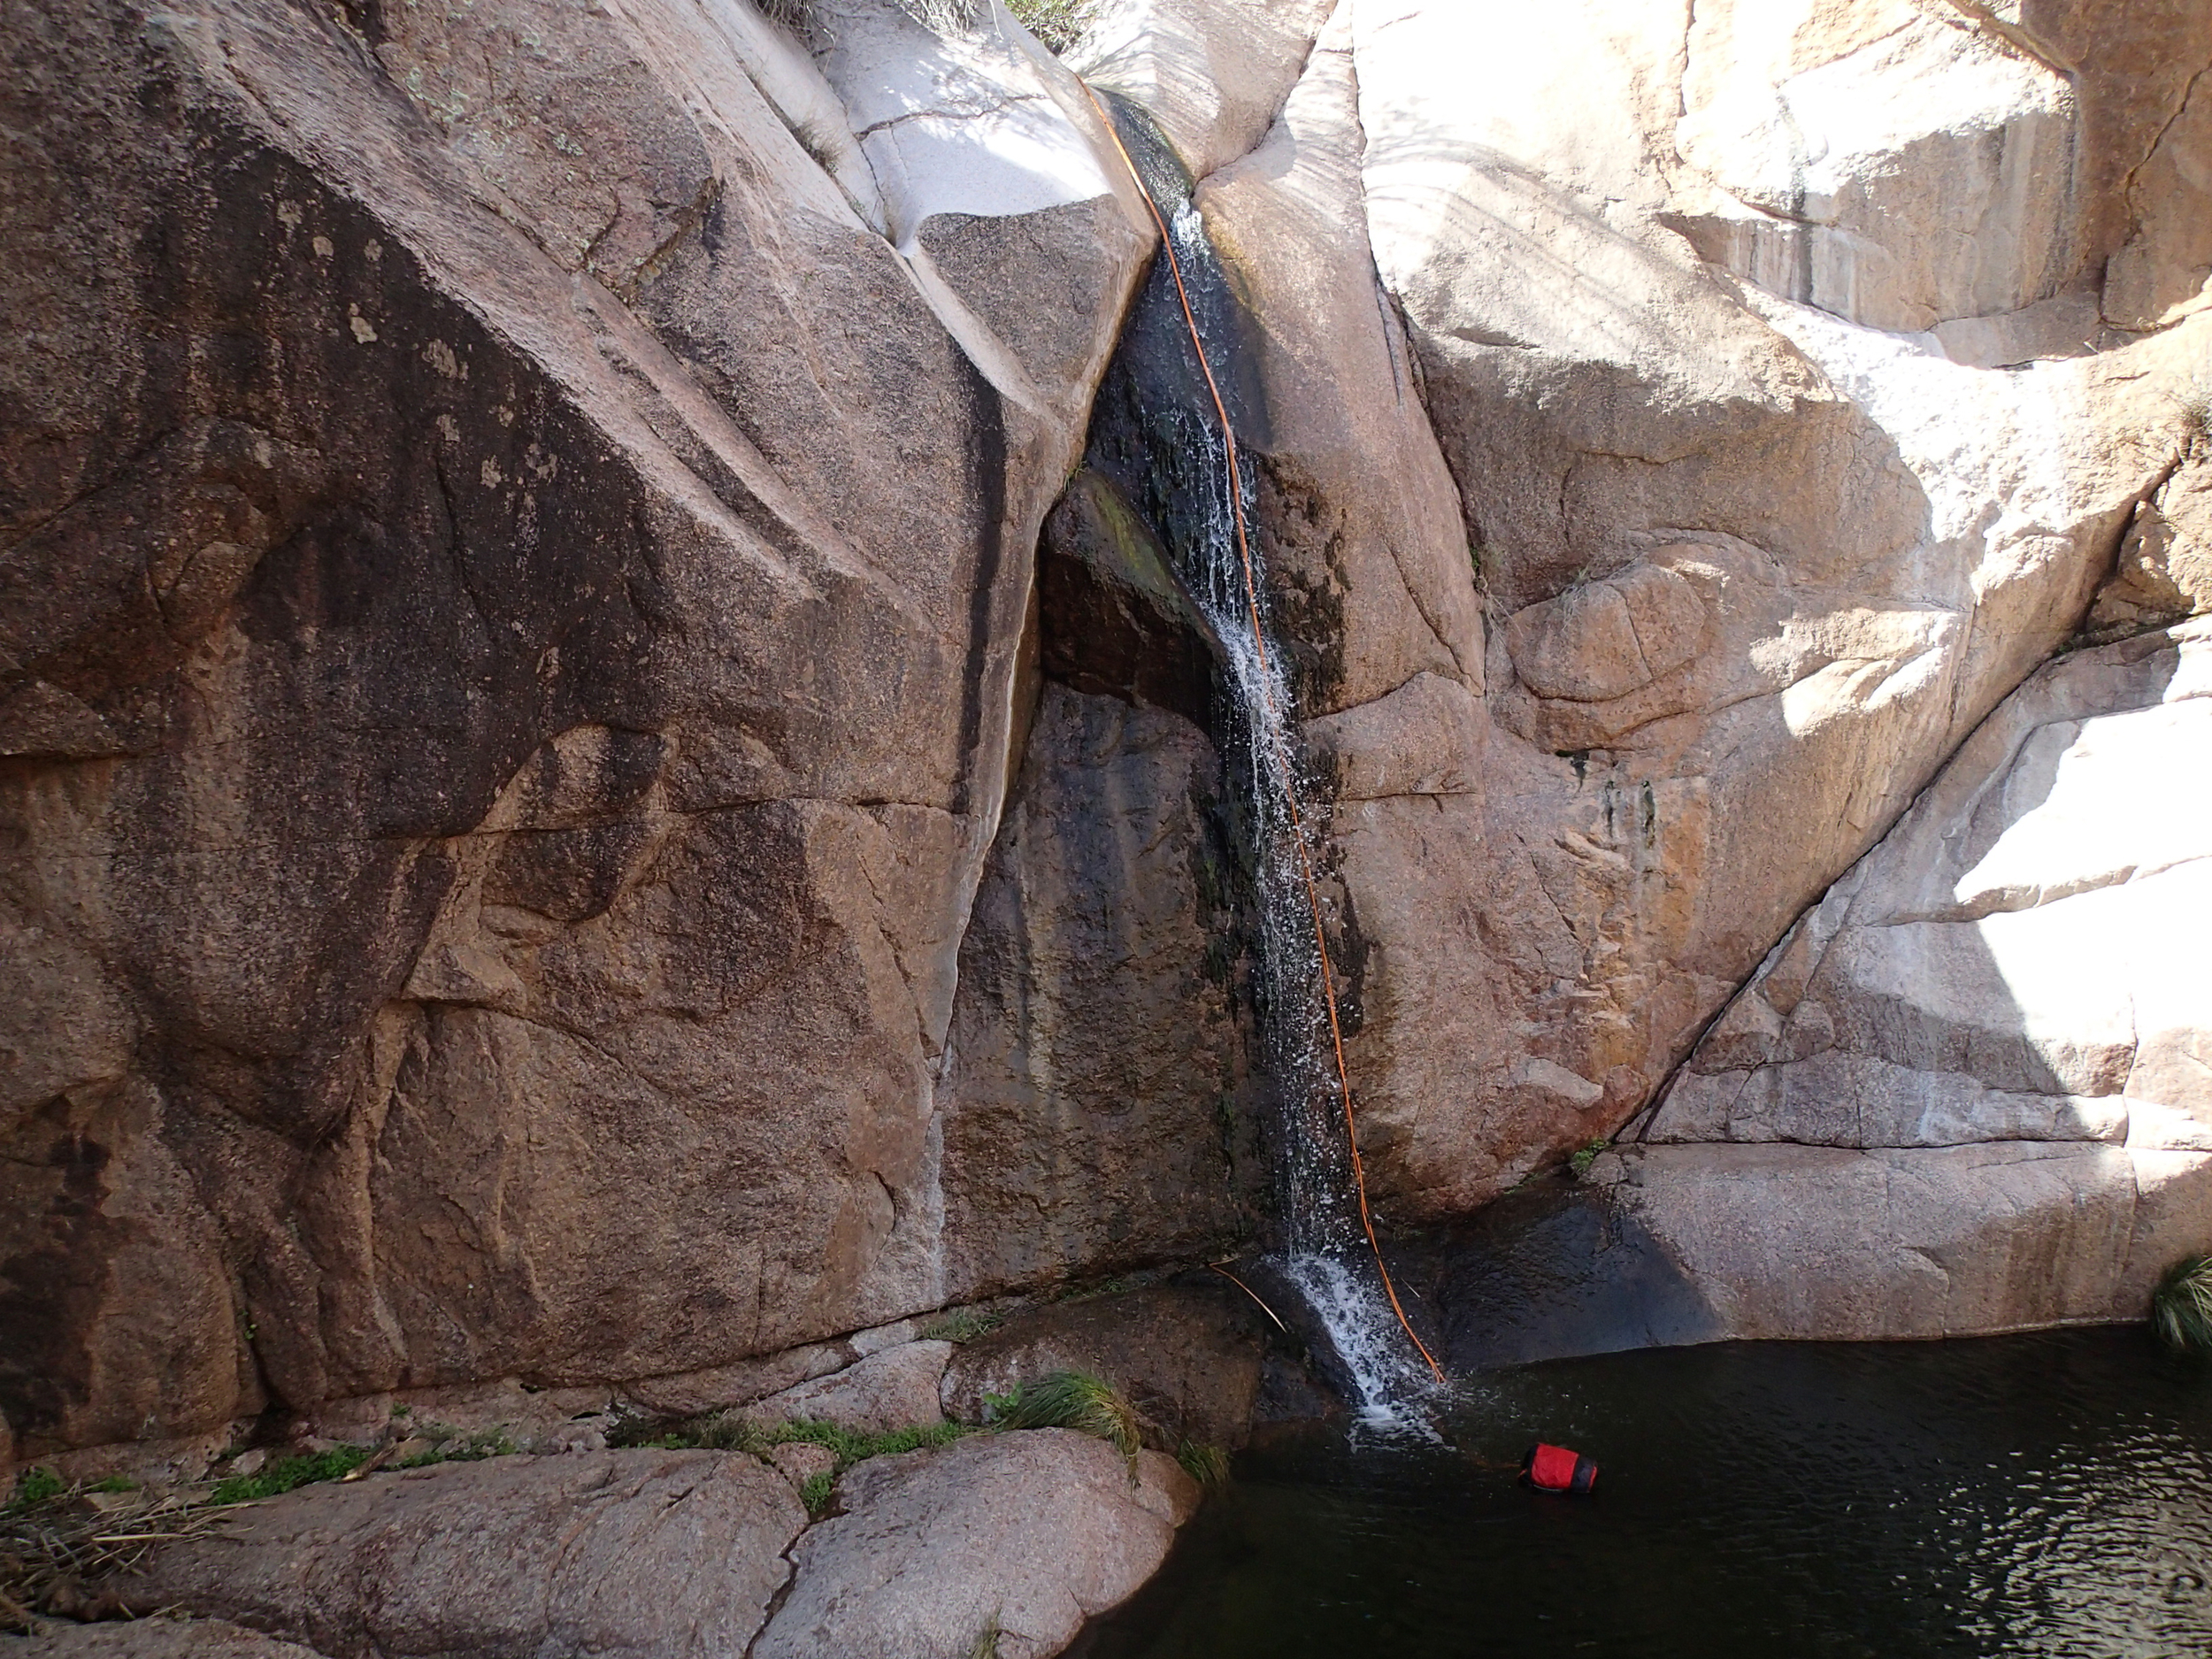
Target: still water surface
[(2041, 1494)]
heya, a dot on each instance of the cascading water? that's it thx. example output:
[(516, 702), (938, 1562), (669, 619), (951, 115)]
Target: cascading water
[(1157, 435)]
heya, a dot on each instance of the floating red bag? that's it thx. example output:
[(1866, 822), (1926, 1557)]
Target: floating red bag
[(1556, 1469)]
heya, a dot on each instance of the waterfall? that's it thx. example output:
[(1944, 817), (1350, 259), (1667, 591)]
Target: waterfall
[(1157, 434)]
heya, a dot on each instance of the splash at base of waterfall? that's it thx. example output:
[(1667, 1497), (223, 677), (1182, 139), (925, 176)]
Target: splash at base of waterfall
[(1395, 1394)]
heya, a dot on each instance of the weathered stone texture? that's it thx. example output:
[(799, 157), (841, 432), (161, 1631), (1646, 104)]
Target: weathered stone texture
[(1972, 1089), (1092, 1099), (158, 1638), (512, 606)]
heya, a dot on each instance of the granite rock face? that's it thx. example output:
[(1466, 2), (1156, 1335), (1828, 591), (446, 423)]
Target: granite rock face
[(570, 822), (516, 552), (894, 1389), (1973, 1088), (1654, 507), (1097, 1049)]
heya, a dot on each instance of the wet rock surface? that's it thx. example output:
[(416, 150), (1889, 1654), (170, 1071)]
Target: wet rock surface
[(1556, 1270), (1094, 1114)]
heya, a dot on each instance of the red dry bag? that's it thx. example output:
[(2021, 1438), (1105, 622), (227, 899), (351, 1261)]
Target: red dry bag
[(1556, 1469)]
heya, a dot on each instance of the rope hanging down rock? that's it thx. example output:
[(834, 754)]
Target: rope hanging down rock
[(1275, 732)]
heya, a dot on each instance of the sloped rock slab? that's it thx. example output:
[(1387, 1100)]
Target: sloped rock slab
[(636, 1552), (156, 1638), (886, 1391), (1036, 1531)]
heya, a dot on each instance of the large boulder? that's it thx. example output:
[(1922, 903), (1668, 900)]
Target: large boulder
[(515, 536), (638, 1552), (1972, 1090), (1214, 73), (1027, 1534)]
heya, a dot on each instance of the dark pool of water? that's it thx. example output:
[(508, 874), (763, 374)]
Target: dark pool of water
[(2049, 1493)]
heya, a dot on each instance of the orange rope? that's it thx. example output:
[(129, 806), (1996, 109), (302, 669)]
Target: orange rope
[(1282, 758)]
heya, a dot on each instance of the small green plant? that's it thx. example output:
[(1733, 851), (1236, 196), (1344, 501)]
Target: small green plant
[(1072, 1400), (287, 1473), (853, 1447), (820, 141), (962, 1325), (1058, 24), (732, 1431), (1206, 1463), (1582, 1160), (113, 1483), (986, 1643), (454, 1447), (39, 1484), (2181, 1307), (814, 1491)]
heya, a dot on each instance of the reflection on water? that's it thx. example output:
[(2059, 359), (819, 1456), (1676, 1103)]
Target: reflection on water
[(2042, 1494)]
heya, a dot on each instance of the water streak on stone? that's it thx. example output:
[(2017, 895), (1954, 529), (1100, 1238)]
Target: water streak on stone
[(1156, 435)]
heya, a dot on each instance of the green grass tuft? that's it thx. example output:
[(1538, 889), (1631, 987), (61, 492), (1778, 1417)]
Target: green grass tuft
[(1072, 1400), (39, 1484), (815, 1493), (2181, 1307), (1582, 1160), (734, 1431), (962, 1325), (1058, 24), (454, 1447), (286, 1473), (986, 1643), (1207, 1465), (852, 1447)]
